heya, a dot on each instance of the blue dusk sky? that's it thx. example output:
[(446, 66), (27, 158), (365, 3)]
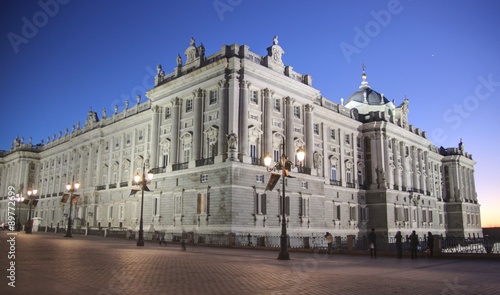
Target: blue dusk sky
[(59, 58)]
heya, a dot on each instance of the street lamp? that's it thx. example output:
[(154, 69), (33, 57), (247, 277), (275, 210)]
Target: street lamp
[(19, 200), (31, 196), (71, 188), (142, 180), (284, 165)]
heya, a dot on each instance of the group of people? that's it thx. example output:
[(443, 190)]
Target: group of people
[(414, 243), (412, 239)]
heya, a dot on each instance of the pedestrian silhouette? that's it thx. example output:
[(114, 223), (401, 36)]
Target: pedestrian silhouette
[(413, 244), (430, 245), (372, 238), (399, 244)]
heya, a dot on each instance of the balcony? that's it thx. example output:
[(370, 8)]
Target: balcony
[(112, 185), (158, 170), (100, 187), (350, 185), (335, 182), (304, 170), (203, 162), (396, 187), (124, 184), (180, 166), (255, 161)]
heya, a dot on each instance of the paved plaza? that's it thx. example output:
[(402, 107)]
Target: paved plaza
[(48, 263)]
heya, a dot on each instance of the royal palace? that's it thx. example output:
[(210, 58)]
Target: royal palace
[(203, 131)]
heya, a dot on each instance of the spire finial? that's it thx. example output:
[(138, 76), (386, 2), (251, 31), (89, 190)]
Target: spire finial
[(364, 83)]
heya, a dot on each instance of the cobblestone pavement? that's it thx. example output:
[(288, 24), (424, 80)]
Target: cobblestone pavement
[(47, 263)]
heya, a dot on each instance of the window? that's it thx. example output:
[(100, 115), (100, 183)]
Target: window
[(259, 178), (121, 212), (339, 211), (424, 216), (352, 213), (406, 212), (254, 97), (110, 212), (277, 104), (167, 113), (178, 204), (155, 207), (203, 203), (185, 155), (139, 136), (253, 151), (128, 138), (332, 133), (316, 128), (204, 178), (165, 160), (304, 207), (213, 96), (348, 175), (260, 203), (296, 111), (305, 184), (333, 174), (363, 212), (189, 105), (360, 179), (347, 139), (287, 205), (430, 216), (276, 154)]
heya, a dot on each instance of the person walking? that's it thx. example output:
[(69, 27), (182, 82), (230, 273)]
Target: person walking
[(372, 238), (329, 242), (413, 244), (430, 245), (399, 244)]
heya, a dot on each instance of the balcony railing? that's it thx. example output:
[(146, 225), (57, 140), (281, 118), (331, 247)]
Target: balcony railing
[(180, 166), (124, 184), (255, 161), (304, 170), (112, 185), (203, 162), (350, 184), (100, 187), (158, 170), (335, 182)]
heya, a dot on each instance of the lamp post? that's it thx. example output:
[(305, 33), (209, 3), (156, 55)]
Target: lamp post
[(142, 180), (19, 200), (31, 196), (284, 165), (71, 188)]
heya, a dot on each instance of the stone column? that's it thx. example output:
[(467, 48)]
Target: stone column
[(309, 132), (155, 122), (374, 148), (404, 163), (267, 96), (198, 123), (243, 122), (176, 118), (397, 155), (233, 105), (288, 121), (222, 140)]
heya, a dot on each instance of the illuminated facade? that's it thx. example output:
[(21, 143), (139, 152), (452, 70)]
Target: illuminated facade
[(204, 131)]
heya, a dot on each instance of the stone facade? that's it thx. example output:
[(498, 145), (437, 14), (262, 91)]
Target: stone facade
[(204, 130)]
